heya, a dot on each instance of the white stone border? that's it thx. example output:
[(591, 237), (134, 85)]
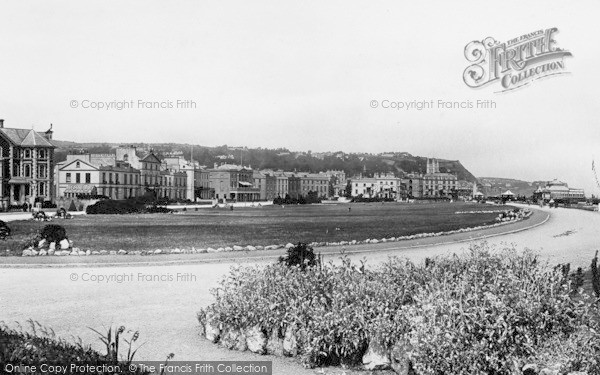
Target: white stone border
[(512, 217)]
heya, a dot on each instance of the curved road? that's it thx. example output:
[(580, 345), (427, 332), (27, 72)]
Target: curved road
[(161, 302)]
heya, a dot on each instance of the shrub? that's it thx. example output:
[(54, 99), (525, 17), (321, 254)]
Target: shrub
[(72, 206), (483, 312), (48, 204), (53, 233), (158, 210), (301, 256), (107, 207), (4, 230), (488, 312), (120, 207), (41, 346), (596, 276)]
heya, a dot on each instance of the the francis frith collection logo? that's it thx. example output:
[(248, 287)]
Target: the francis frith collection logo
[(515, 63)]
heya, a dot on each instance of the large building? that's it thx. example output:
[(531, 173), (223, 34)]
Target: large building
[(558, 190), (27, 165), (233, 183), (381, 185), (89, 174), (193, 174), (413, 183), (436, 183), (125, 174), (315, 183)]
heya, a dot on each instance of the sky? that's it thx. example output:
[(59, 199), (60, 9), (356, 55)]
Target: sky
[(304, 75)]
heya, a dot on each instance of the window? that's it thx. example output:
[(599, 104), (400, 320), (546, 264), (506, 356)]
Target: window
[(41, 154), (88, 178), (78, 164), (27, 154), (77, 178), (68, 177)]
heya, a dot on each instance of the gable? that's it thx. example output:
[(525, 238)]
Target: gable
[(151, 158), (72, 166)]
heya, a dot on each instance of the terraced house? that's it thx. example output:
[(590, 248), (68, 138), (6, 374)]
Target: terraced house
[(27, 162), (124, 174), (97, 174)]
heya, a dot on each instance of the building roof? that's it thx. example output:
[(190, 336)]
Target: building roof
[(557, 188), (231, 167), (440, 174), (103, 159), (25, 137), (151, 158), (81, 188), (68, 163)]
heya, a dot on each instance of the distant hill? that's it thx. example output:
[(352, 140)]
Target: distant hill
[(281, 158), (500, 185)]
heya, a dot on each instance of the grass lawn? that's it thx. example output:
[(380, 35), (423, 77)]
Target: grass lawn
[(258, 226)]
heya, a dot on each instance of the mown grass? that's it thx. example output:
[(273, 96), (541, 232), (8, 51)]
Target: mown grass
[(258, 226)]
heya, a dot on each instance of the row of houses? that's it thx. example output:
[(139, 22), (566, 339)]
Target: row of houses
[(432, 184), (129, 173), (235, 182), (124, 174), (29, 174)]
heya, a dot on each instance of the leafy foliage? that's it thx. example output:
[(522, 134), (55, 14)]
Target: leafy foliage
[(53, 233), (121, 207), (301, 256), (41, 346), (4, 230), (108, 206), (596, 276), (486, 311)]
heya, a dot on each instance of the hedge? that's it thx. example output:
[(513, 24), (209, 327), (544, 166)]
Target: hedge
[(487, 311)]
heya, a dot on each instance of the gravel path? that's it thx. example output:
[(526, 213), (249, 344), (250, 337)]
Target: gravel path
[(164, 311)]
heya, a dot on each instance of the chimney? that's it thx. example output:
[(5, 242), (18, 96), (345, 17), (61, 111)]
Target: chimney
[(48, 133), (1, 123)]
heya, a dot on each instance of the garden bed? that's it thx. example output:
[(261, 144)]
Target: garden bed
[(492, 312)]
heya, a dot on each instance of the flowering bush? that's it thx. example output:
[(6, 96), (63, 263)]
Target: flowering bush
[(40, 347), (483, 312)]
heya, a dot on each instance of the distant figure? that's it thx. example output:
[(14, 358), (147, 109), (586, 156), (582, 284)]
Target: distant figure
[(349, 209), (231, 207)]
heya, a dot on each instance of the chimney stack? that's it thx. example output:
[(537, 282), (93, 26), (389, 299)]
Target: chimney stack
[(1, 123), (48, 133)]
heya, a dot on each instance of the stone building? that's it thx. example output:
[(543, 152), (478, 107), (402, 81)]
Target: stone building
[(233, 183), (317, 183), (27, 165), (436, 183), (90, 175), (559, 190), (193, 173)]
